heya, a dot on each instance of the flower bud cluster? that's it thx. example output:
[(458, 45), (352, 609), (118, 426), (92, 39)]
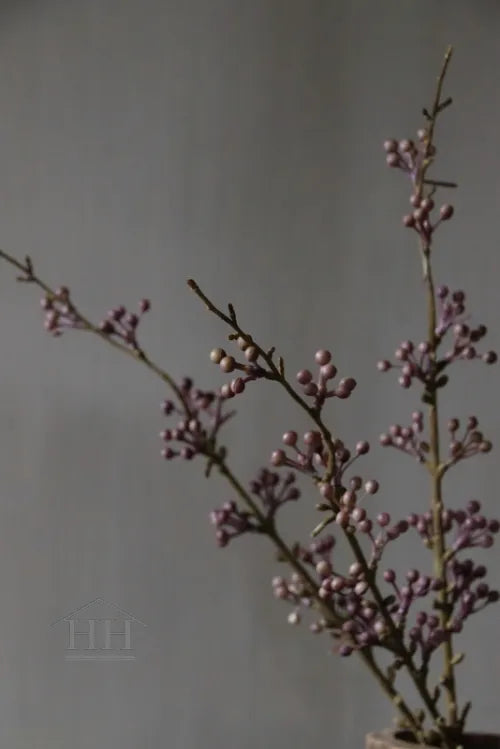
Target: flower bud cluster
[(250, 370), (295, 590), (468, 593), (470, 527), (319, 389), (230, 521), (60, 314), (274, 490), (123, 325), (451, 316), (408, 439), (314, 455), (472, 441), (308, 458), (349, 514), (411, 157), (199, 422), (416, 585), (412, 360)]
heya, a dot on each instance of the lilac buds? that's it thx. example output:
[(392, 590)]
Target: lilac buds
[(318, 388)]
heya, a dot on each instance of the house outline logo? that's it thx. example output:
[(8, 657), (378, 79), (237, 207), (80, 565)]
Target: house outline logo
[(93, 638)]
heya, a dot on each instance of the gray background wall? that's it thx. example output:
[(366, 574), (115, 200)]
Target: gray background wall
[(238, 142)]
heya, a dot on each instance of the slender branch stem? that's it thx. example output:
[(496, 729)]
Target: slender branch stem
[(434, 461), (437, 506), (267, 527), (396, 635)]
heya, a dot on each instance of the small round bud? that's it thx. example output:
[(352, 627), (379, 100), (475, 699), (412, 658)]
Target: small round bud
[(389, 576), (216, 355), (327, 491), (392, 159), (371, 486), (328, 371), (384, 365), (365, 526), (167, 407), (489, 357), (362, 447), (227, 364), (405, 146), (242, 343), (323, 568), (442, 292), (342, 518), (290, 438), (358, 514), (446, 212), (383, 519), (251, 353), (322, 357), (304, 377), (427, 205), (311, 389), (486, 542), (473, 506), (345, 650), (278, 458), (313, 439), (293, 618), (144, 306), (107, 327), (349, 499), (409, 221), (390, 146), (237, 385)]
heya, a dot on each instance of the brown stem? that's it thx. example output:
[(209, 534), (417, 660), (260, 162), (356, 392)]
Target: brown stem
[(268, 528), (434, 461), (396, 634)]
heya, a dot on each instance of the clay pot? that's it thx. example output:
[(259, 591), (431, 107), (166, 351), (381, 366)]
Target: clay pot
[(396, 740)]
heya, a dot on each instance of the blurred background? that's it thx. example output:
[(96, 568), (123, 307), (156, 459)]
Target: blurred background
[(239, 143)]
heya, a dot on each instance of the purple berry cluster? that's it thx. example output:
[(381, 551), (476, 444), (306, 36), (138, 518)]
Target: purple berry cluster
[(451, 306), (410, 157), (472, 441), (272, 490), (471, 529), (319, 388), (123, 325), (408, 439), (231, 521), (200, 417), (250, 369), (313, 455), (60, 314)]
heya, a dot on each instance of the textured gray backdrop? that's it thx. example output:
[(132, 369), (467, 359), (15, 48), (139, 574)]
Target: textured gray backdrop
[(143, 142)]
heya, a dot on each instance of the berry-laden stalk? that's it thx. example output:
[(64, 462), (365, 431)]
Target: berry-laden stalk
[(437, 505)]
